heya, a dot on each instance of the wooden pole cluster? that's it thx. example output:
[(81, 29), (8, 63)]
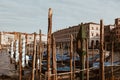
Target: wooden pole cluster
[(71, 55), (101, 51), (49, 43), (34, 57), (54, 71)]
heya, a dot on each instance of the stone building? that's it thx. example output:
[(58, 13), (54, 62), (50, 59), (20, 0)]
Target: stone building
[(117, 29), (93, 34), (63, 36), (108, 35), (116, 35), (7, 37), (112, 33)]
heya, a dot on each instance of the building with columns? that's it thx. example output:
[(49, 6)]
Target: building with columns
[(63, 35), (93, 34)]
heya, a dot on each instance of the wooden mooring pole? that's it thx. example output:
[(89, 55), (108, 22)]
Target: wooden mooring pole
[(61, 50), (34, 57), (74, 54), (54, 71), (40, 55), (20, 58), (87, 60), (93, 52), (112, 52), (102, 76), (49, 43), (71, 55), (26, 42), (36, 62)]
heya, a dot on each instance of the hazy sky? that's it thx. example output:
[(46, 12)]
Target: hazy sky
[(32, 15)]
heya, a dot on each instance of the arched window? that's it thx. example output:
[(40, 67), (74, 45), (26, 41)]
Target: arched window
[(97, 43), (92, 43), (92, 34)]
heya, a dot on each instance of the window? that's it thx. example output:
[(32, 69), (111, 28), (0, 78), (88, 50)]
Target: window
[(30, 38), (97, 43), (92, 43), (117, 32), (96, 28), (92, 34), (97, 34), (92, 28)]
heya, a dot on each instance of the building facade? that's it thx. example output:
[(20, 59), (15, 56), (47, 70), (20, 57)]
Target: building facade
[(7, 37), (108, 35), (112, 34), (63, 36), (117, 29), (116, 35), (93, 34)]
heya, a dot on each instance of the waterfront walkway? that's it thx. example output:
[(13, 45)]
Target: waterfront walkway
[(6, 68)]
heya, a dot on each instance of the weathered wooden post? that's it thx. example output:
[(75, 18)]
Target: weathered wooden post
[(29, 49), (112, 52), (34, 58), (26, 50), (61, 50), (81, 50), (20, 58), (49, 43), (74, 55), (71, 55), (87, 60), (40, 55), (101, 51), (37, 61), (93, 52), (54, 71)]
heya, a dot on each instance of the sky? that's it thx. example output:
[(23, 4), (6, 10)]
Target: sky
[(31, 15)]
